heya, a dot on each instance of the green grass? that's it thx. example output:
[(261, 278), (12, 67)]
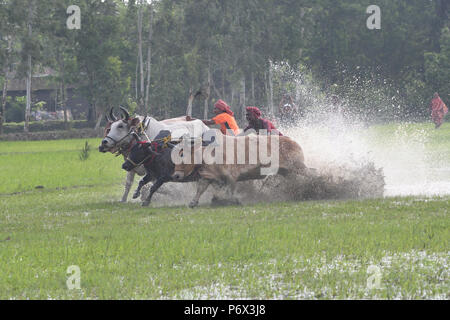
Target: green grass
[(270, 251), (55, 164), (295, 250)]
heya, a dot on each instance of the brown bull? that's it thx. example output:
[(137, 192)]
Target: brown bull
[(246, 158)]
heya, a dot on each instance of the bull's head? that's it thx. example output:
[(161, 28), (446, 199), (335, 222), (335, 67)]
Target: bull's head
[(140, 153), (117, 131)]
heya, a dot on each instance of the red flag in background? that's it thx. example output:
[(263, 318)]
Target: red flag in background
[(438, 110)]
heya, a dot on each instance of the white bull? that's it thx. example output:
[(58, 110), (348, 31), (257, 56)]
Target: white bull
[(118, 138)]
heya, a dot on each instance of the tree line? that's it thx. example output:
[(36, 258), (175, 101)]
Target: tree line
[(150, 56)]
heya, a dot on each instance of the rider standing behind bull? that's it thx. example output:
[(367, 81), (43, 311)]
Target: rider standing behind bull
[(257, 123), (224, 117), (287, 110)]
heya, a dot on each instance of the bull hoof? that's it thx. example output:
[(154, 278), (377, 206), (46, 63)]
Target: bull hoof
[(193, 204), (136, 195), (145, 203)]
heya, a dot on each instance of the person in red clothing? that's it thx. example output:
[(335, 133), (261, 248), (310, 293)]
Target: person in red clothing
[(438, 110), (224, 117), (257, 123)]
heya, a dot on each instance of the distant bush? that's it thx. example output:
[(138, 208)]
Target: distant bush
[(15, 111), (52, 135), (39, 126)]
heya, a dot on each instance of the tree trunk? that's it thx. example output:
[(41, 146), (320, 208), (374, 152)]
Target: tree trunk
[(266, 89), (28, 104), (253, 89), (232, 95), (63, 98), (136, 85), (5, 88), (223, 83), (63, 91), (271, 110), (242, 97), (99, 120), (4, 94), (205, 109), (149, 59), (189, 106), (302, 31), (140, 57), (29, 71), (57, 97), (213, 87), (92, 99), (208, 89)]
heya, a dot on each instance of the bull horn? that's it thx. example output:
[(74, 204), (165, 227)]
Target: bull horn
[(126, 113), (111, 115), (107, 118)]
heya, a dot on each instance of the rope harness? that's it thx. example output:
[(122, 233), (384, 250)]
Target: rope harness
[(144, 161), (127, 148), (157, 145), (141, 129)]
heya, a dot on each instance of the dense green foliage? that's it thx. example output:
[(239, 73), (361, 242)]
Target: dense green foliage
[(231, 47), (38, 126)]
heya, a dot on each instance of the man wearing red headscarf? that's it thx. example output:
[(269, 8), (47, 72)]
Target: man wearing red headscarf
[(438, 110), (257, 123), (224, 117)]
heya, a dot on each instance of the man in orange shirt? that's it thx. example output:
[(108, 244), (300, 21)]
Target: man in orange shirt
[(224, 117)]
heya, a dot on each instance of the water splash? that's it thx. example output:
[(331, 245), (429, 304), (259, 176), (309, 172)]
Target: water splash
[(337, 140), (352, 159), (338, 147)]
